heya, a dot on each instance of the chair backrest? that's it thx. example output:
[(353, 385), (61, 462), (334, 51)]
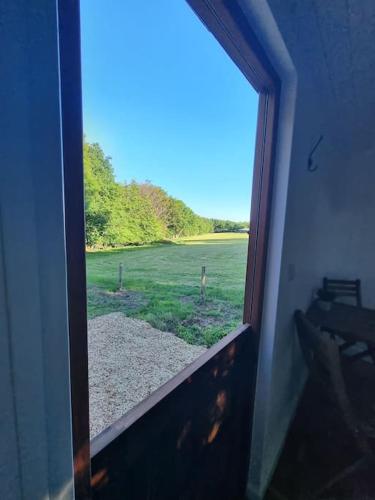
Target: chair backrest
[(321, 353), (344, 288), (322, 356)]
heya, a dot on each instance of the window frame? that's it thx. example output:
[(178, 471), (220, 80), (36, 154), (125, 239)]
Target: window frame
[(228, 24), (72, 152)]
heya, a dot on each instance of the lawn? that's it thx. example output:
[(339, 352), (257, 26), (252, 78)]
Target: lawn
[(162, 285)]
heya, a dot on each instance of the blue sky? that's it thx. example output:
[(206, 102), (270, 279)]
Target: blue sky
[(167, 104)]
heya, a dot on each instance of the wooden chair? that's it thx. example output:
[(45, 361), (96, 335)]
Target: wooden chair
[(323, 358), (347, 289), (344, 288)]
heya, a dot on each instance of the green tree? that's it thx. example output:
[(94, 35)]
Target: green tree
[(134, 221), (100, 193), (131, 214), (220, 226), (160, 202)]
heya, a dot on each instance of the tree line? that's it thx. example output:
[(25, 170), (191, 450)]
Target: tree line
[(226, 226), (134, 213)]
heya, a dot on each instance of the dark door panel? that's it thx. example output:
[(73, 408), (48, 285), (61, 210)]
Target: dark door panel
[(194, 443)]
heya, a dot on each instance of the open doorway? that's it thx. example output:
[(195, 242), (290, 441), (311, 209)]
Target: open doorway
[(207, 405), (169, 138)]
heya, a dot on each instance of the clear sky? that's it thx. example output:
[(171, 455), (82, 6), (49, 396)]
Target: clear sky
[(163, 99)]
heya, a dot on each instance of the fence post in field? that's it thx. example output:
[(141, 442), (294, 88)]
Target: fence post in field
[(120, 276), (203, 285)]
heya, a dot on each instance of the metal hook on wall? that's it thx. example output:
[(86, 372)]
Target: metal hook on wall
[(310, 164)]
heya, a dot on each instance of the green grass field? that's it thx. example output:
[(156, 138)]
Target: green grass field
[(162, 285)]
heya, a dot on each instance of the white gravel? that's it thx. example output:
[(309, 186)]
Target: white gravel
[(128, 359)]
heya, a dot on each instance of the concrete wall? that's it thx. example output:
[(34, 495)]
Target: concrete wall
[(35, 427)]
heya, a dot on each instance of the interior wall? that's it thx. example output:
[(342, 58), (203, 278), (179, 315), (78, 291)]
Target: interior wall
[(265, 448), (284, 370), (326, 232), (343, 221), (35, 417)]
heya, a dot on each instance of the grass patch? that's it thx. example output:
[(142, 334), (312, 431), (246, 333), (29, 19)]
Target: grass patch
[(162, 285)]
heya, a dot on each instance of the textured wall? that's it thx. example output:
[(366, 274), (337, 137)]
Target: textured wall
[(35, 451), (329, 213), (328, 232), (265, 447)]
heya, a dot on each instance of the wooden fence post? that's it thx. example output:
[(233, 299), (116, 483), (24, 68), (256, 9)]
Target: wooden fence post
[(203, 285), (120, 276)]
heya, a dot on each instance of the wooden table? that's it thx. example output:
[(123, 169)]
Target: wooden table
[(353, 324)]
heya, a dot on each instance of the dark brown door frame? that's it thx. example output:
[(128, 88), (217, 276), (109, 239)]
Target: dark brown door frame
[(226, 21), (72, 147)]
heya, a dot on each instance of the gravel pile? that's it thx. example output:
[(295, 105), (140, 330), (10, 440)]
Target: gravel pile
[(128, 359)]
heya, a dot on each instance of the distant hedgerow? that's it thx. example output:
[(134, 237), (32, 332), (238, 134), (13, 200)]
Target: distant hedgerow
[(135, 213)]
